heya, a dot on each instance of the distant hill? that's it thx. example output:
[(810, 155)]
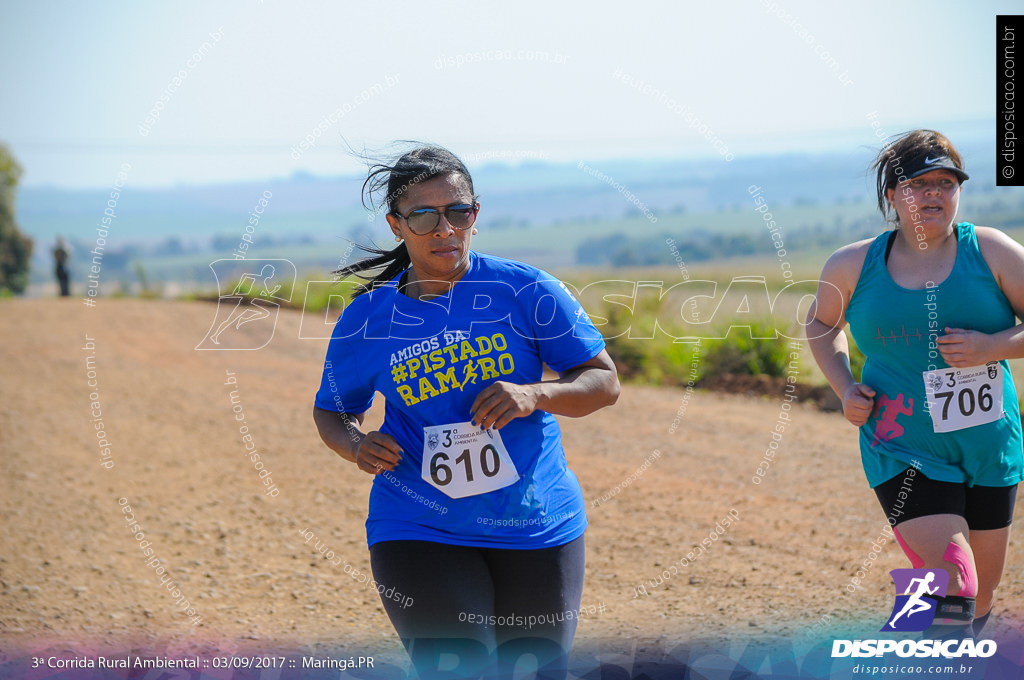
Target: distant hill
[(175, 232)]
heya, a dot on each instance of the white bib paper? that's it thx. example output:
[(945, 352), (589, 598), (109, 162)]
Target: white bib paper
[(462, 460), (964, 397)]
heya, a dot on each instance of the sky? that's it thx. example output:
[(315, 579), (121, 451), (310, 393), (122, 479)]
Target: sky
[(572, 81)]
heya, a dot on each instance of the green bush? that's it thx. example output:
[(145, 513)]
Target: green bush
[(743, 353), (657, 361), (15, 247), (662, 360)]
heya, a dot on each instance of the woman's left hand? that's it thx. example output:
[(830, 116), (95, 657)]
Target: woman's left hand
[(961, 348), (500, 402)]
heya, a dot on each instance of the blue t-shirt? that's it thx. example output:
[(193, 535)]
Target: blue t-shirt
[(430, 358)]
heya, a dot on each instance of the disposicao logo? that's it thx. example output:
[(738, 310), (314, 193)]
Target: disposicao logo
[(948, 649), (914, 611)]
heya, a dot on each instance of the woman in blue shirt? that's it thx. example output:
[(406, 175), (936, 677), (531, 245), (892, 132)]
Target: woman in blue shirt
[(474, 517)]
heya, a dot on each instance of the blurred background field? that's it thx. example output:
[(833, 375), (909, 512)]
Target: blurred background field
[(701, 224)]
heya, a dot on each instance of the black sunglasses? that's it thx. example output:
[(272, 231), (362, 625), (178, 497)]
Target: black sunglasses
[(422, 221)]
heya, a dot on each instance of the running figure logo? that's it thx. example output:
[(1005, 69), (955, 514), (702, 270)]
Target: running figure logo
[(253, 302), (469, 375), (886, 410), (914, 610)]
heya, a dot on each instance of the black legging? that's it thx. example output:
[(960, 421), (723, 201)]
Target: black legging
[(473, 602)]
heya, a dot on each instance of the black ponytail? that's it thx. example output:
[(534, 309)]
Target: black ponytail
[(394, 261), (415, 166)]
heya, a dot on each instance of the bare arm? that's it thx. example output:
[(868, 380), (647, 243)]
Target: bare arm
[(372, 452), (961, 347), (826, 320), (577, 392)]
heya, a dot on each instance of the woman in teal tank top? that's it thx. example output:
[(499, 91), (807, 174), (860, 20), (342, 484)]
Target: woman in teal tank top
[(934, 307)]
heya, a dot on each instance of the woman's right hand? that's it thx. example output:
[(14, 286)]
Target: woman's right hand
[(378, 452), (858, 403)]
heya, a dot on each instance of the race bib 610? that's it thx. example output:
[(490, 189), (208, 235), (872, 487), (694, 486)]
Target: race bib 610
[(462, 460)]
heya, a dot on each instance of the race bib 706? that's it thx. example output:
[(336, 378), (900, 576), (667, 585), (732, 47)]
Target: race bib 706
[(964, 397)]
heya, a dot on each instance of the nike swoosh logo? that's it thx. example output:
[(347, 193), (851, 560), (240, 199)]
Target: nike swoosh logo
[(928, 160)]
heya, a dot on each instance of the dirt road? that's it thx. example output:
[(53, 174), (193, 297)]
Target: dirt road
[(73, 573)]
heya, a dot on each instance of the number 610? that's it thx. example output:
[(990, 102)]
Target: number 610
[(442, 474)]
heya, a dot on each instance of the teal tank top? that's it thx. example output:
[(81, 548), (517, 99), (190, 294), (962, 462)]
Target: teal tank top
[(896, 329)]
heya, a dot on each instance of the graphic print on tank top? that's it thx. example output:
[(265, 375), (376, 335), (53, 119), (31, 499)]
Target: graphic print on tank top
[(903, 335), (887, 410)]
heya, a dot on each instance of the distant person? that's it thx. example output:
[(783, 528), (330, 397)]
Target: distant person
[(474, 515), (933, 304), (60, 257)]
